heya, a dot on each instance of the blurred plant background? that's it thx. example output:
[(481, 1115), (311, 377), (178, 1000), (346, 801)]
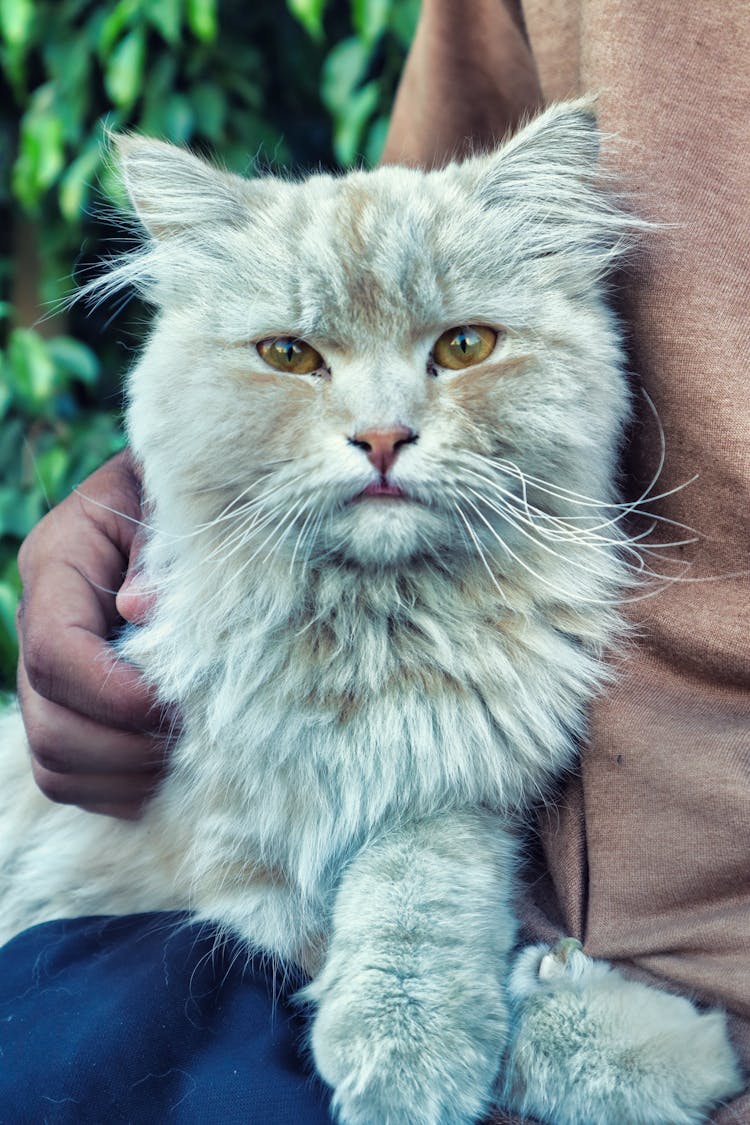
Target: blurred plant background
[(303, 83)]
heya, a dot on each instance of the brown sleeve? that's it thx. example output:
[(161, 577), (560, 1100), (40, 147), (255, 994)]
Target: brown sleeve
[(469, 77)]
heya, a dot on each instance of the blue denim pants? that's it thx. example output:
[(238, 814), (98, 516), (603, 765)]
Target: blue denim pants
[(149, 1020)]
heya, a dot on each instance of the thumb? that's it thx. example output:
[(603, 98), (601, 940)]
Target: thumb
[(135, 600)]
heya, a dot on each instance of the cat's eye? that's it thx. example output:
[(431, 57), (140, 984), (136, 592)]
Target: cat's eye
[(464, 346), (285, 353)]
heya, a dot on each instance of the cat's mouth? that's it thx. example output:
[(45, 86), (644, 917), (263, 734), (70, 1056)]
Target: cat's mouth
[(381, 490)]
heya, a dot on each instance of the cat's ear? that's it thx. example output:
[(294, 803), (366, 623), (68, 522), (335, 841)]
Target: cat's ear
[(553, 202), (172, 190), (548, 157)]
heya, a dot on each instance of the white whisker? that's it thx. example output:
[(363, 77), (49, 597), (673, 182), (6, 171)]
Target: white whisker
[(480, 552)]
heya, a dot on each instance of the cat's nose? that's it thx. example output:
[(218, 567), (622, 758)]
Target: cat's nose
[(382, 446)]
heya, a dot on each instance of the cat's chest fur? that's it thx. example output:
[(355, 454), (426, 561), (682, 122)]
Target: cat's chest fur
[(336, 706)]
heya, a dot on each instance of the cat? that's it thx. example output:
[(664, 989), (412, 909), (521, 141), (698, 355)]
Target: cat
[(379, 418)]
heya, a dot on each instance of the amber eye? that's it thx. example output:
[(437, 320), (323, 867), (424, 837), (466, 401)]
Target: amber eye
[(464, 346), (285, 353)]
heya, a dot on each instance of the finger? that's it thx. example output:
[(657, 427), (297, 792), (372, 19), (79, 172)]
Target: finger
[(68, 661), (135, 600), (111, 790), (63, 741)]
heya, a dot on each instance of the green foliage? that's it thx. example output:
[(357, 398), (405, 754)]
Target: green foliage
[(309, 83), (360, 74)]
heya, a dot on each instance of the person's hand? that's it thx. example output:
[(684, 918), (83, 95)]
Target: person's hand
[(97, 739)]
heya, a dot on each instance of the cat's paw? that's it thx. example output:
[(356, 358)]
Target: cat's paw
[(590, 1047), (396, 1053)]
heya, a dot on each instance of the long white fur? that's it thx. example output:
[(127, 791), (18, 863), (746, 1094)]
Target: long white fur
[(372, 692)]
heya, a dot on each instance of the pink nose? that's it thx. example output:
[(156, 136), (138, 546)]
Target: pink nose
[(382, 446)]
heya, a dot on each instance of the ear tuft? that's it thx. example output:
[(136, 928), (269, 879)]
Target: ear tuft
[(172, 190), (567, 132), (552, 201), (559, 146)]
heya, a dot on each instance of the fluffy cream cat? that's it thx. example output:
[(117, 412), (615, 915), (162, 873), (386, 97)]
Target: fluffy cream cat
[(378, 418)]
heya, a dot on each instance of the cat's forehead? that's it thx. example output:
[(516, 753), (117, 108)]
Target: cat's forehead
[(382, 253), (368, 253)]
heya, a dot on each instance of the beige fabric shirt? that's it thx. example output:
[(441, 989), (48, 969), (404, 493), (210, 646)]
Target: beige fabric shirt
[(649, 853)]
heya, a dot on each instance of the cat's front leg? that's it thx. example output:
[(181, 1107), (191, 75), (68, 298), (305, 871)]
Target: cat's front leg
[(411, 1021)]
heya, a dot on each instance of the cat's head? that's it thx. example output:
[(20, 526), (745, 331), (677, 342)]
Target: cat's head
[(381, 365)]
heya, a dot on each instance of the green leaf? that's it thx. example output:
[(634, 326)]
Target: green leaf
[(68, 61), (74, 358), (260, 141), (51, 468), (370, 18), (310, 14), (376, 140), (8, 640), (16, 21), (247, 89), (347, 133), (31, 368), (115, 23), (344, 68), (202, 19), (404, 19), (71, 10), (93, 442), (41, 156), (76, 182), (210, 109), (166, 17), (19, 511), (123, 78), (112, 186), (11, 444), (178, 118), (6, 394), (162, 77), (170, 116)]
